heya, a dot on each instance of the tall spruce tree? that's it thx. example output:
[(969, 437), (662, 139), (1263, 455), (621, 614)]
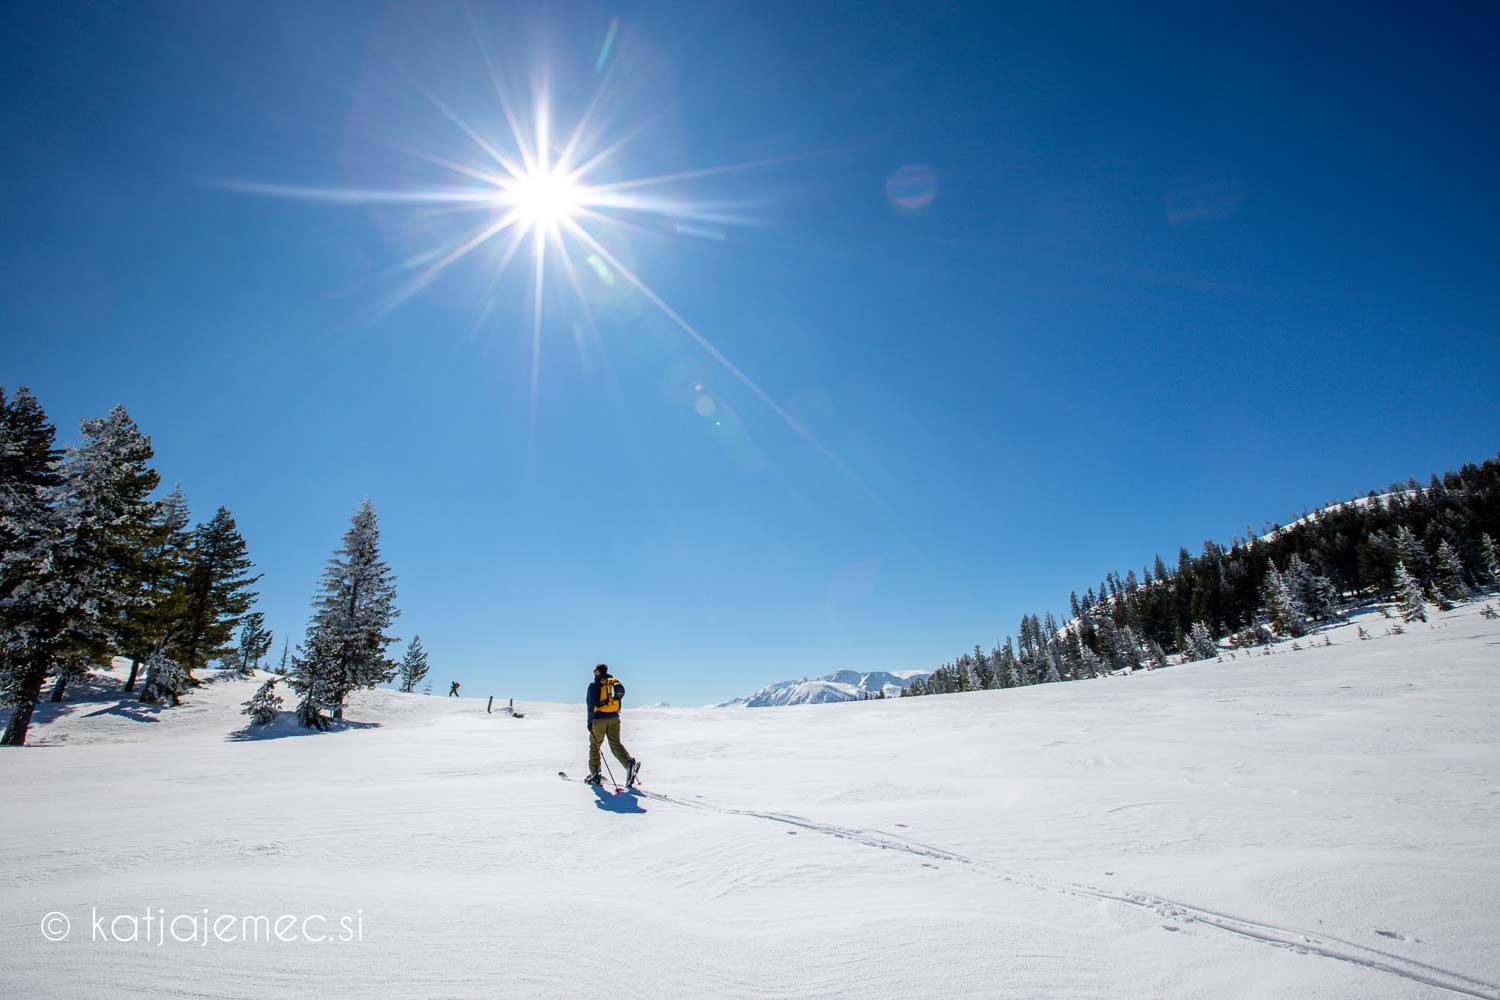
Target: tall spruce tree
[(31, 588), (160, 576), (215, 596), (106, 515), (413, 665), (345, 648)]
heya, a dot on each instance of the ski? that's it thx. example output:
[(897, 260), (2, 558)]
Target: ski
[(564, 776)]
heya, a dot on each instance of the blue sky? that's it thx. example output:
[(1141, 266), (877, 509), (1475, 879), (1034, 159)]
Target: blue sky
[(1176, 274)]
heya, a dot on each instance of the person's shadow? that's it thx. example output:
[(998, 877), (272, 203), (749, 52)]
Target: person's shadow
[(625, 803)]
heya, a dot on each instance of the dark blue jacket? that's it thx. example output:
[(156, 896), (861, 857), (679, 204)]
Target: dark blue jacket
[(592, 699)]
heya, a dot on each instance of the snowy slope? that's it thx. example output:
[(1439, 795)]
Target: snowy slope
[(1318, 823), (842, 685)]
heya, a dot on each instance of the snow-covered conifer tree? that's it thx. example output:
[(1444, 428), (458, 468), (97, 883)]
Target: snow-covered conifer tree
[(345, 649), (255, 641), (1282, 607), (1130, 647), (1314, 591), (30, 530), (71, 530), (1092, 666), (1107, 636), (1409, 596), (106, 519), (413, 665), (1489, 560), (1409, 551), (1202, 641), (264, 704), (166, 679), (1448, 573)]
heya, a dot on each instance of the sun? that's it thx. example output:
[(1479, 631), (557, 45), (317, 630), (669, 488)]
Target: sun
[(565, 195), (544, 198)]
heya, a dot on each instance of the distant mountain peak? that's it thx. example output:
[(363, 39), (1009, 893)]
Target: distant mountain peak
[(841, 685)]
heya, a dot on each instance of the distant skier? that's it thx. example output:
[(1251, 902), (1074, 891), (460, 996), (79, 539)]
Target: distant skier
[(603, 702), (453, 691)]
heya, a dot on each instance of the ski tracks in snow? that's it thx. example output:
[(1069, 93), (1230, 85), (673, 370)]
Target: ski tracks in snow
[(1276, 935)]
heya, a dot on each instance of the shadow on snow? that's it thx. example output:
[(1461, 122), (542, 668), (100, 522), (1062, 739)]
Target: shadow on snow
[(285, 724), (624, 803)]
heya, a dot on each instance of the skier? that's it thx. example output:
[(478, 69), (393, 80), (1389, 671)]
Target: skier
[(603, 702), (453, 691)]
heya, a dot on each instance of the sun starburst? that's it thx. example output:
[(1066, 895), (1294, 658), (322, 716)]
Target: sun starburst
[(563, 199)]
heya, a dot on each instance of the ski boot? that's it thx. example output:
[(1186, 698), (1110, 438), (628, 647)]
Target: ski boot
[(594, 779), (632, 771)]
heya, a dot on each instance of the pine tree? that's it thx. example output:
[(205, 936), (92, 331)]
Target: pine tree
[(1282, 607), (166, 679), (1130, 647), (264, 704), (1092, 666), (345, 648), (1448, 574), (1108, 641), (312, 677), (1314, 591), (73, 528), (1409, 596), (159, 577), (285, 649), (215, 596), (1049, 668), (1202, 641), (30, 531), (1490, 559), (255, 641), (106, 517), (413, 665), (1410, 552)]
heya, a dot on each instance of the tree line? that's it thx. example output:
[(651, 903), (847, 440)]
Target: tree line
[(1412, 544), (92, 565)]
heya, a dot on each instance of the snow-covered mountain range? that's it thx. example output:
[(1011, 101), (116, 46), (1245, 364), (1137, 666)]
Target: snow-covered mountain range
[(843, 685)]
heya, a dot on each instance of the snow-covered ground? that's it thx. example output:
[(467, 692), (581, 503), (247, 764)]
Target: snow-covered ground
[(1319, 823)]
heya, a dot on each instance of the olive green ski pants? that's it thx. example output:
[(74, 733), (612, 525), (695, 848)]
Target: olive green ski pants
[(606, 727)]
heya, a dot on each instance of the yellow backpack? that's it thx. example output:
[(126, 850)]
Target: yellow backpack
[(609, 701)]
